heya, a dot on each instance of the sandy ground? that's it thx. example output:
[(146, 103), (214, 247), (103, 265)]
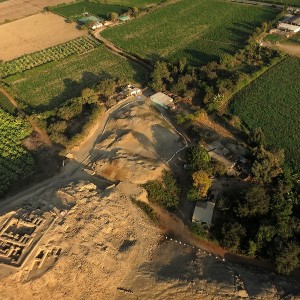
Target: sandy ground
[(35, 33), (136, 140), (16, 9), (109, 248)]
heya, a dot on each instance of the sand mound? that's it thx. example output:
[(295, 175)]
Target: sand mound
[(135, 145)]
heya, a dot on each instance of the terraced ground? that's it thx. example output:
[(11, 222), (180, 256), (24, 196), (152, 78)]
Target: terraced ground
[(272, 103), (47, 86), (201, 30)]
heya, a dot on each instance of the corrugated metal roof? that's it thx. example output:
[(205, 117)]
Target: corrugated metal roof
[(85, 20), (162, 98), (289, 27), (124, 18), (204, 212)]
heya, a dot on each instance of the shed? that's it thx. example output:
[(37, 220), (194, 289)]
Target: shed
[(124, 18), (295, 20), (162, 100), (288, 27), (203, 212), (88, 19)]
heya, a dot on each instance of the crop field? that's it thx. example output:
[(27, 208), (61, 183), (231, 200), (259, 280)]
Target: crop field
[(46, 86), (15, 161), (35, 33), (76, 9), (272, 103), (200, 30), (5, 104), (29, 61)]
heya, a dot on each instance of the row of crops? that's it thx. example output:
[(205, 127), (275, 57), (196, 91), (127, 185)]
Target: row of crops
[(272, 103), (15, 161), (55, 53)]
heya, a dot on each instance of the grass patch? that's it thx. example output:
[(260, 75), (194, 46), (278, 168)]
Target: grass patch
[(76, 9), (274, 38), (200, 30), (272, 103), (48, 86)]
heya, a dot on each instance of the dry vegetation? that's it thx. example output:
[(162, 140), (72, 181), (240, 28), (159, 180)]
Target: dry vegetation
[(15, 9), (35, 33)]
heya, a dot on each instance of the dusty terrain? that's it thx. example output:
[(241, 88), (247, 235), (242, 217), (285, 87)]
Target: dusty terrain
[(35, 33), (16, 9), (100, 245), (136, 141)]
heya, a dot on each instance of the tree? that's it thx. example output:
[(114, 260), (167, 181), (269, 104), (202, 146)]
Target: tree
[(202, 182), (192, 195), (106, 87), (232, 234), (267, 165), (256, 202), (288, 258), (197, 157), (135, 11), (113, 16), (257, 137), (89, 96)]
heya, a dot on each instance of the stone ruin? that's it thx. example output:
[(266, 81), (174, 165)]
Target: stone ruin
[(20, 233)]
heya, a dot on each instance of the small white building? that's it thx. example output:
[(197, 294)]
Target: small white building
[(134, 91), (97, 25), (162, 100), (203, 212)]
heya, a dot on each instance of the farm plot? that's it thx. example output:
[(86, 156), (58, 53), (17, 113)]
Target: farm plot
[(272, 103), (15, 161), (16, 9), (35, 33), (76, 9), (46, 86), (200, 30), (55, 53), (5, 104)]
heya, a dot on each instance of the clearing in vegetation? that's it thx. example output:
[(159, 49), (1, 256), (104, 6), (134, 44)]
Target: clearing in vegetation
[(30, 61), (47, 86), (15, 161), (75, 10), (200, 30), (35, 33), (272, 103)]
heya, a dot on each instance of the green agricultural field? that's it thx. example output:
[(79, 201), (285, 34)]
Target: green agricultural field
[(76, 9), (49, 85), (272, 103), (55, 53), (15, 161), (200, 29), (5, 104)]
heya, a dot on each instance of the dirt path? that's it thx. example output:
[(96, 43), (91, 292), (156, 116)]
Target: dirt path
[(43, 135), (174, 227)]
